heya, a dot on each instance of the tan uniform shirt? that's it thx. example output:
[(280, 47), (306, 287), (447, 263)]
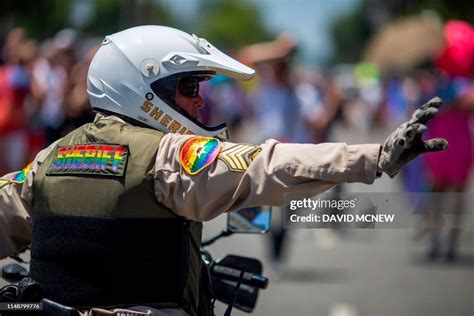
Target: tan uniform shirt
[(15, 208), (277, 169)]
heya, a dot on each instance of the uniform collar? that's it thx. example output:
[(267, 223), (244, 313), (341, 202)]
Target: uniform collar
[(100, 116)]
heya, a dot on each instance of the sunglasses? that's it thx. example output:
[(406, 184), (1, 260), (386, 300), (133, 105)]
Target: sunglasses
[(188, 87)]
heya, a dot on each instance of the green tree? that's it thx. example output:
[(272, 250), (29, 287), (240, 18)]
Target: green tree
[(113, 15), (350, 34), (39, 18), (232, 24), (43, 18)]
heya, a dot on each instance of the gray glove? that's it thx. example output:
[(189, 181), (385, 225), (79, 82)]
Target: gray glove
[(405, 143)]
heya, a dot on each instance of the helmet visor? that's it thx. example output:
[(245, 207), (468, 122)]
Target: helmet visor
[(188, 87)]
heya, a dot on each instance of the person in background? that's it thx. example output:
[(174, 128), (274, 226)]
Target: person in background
[(277, 112), (51, 75), (14, 88), (452, 74), (451, 172), (77, 109)]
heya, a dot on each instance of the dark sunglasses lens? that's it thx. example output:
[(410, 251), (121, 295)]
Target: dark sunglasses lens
[(189, 88)]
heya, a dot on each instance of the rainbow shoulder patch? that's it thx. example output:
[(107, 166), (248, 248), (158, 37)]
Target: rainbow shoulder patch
[(198, 152), (89, 159)]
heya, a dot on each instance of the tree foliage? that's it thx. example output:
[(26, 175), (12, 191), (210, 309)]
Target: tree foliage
[(350, 34), (232, 23), (43, 18), (39, 18), (113, 15)]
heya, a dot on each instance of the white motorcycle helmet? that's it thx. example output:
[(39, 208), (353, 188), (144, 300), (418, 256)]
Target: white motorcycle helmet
[(135, 74)]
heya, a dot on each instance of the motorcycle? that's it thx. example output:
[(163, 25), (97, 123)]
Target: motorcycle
[(234, 280)]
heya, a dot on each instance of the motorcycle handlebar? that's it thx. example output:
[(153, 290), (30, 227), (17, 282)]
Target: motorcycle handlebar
[(231, 274), (259, 281)]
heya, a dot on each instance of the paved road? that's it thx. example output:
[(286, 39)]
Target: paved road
[(377, 272)]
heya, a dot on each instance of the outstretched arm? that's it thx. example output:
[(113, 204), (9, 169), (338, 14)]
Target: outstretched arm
[(200, 178), (242, 175)]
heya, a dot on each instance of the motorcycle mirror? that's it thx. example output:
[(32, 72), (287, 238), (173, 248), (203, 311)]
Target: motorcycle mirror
[(253, 220), (14, 272)]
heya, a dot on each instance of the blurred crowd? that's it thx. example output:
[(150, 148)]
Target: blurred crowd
[(42, 93), (295, 104), (305, 105), (43, 96)]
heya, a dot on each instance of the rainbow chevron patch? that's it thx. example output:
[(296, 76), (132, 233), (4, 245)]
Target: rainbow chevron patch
[(238, 158)]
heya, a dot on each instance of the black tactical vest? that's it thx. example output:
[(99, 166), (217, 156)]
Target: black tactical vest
[(100, 238)]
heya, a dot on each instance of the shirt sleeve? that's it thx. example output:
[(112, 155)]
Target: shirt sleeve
[(16, 195), (263, 179)]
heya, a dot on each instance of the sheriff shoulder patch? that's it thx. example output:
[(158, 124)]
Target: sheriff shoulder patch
[(198, 152), (89, 159), (238, 158)]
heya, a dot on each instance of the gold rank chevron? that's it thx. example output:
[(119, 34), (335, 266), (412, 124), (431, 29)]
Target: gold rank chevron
[(238, 157)]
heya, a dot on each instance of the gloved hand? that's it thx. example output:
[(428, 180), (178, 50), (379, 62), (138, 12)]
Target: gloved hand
[(405, 143)]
